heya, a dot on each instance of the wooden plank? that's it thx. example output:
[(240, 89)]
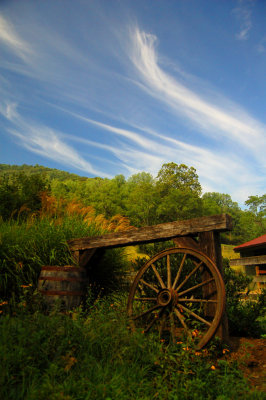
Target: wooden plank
[(186, 241), (85, 256), (210, 244), (255, 260), (260, 271), (154, 233)]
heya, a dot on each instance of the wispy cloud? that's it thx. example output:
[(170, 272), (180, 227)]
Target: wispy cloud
[(10, 38), (243, 14), (261, 47), (45, 141), (216, 169), (132, 105), (213, 120)]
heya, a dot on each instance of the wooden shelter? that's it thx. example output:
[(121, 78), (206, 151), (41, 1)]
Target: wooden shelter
[(179, 290), (253, 259)]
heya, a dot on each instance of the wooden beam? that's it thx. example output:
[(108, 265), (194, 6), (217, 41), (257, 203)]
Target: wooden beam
[(154, 233), (255, 260), (211, 245), (186, 241)]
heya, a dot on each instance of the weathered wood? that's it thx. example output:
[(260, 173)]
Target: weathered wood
[(154, 233), (75, 255), (260, 277), (85, 256), (211, 245), (260, 271), (186, 241), (255, 260), (207, 246)]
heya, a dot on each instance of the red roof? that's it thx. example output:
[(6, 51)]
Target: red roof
[(252, 243)]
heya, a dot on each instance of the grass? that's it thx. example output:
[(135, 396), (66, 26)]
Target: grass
[(93, 355), (90, 353), (41, 239)]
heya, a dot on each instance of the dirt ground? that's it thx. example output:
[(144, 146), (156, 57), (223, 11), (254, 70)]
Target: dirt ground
[(251, 355)]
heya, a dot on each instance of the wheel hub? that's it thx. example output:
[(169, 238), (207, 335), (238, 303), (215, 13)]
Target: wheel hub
[(167, 297)]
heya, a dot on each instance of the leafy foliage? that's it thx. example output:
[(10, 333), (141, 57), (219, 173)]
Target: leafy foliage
[(244, 314), (21, 193), (175, 194), (93, 355), (90, 353), (41, 239)]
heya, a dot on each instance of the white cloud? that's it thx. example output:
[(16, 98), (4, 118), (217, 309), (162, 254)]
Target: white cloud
[(80, 75), (261, 47), (11, 39), (243, 14), (11, 112), (45, 141), (218, 170), (218, 123), (48, 144)]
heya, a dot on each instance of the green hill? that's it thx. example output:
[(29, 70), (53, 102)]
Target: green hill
[(50, 173)]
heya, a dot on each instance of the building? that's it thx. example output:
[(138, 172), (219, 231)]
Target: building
[(253, 259)]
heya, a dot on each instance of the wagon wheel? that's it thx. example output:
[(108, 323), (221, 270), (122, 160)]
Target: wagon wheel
[(180, 293)]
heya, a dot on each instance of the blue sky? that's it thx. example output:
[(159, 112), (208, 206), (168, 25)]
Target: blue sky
[(108, 87)]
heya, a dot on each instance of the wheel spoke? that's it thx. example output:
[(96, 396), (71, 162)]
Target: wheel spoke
[(196, 300), (194, 315), (172, 325), (196, 286), (189, 275), (153, 321), (162, 323), (181, 319), (147, 312), (168, 271), (179, 271), (158, 276), (145, 298), (199, 287), (149, 285)]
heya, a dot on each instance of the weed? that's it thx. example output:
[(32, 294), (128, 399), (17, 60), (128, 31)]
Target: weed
[(90, 354)]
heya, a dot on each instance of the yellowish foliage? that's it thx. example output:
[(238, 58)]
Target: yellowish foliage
[(58, 208), (69, 361), (22, 209)]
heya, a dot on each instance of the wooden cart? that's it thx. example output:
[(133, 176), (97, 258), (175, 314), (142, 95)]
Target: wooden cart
[(179, 291)]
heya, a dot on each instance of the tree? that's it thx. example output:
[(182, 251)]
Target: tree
[(175, 176), (141, 200), (178, 204), (222, 200), (257, 204), (8, 198), (21, 190), (179, 190)]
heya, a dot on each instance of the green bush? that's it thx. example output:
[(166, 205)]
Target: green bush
[(25, 247), (245, 315), (93, 355)]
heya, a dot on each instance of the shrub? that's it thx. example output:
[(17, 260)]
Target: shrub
[(245, 315), (41, 239), (94, 356)]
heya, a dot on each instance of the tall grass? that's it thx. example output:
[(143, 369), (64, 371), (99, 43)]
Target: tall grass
[(89, 353), (95, 356), (41, 239)]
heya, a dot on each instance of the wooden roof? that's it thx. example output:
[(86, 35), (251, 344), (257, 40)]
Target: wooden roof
[(259, 241)]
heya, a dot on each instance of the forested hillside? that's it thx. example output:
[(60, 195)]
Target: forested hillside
[(90, 351), (174, 194)]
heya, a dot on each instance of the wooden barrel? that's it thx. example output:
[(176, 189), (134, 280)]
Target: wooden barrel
[(62, 286)]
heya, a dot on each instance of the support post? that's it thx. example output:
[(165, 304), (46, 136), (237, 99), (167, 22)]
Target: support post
[(211, 245)]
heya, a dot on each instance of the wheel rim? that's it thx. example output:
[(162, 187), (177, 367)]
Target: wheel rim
[(179, 293)]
